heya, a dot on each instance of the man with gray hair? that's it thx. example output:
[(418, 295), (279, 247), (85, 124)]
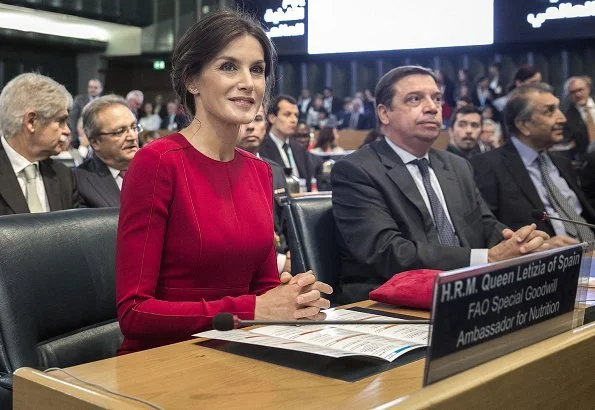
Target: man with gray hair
[(580, 114), (135, 99), (34, 120), (112, 131), (522, 175)]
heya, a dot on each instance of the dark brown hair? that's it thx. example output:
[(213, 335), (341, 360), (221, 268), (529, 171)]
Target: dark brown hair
[(464, 110), (204, 40), (385, 90), (326, 138)]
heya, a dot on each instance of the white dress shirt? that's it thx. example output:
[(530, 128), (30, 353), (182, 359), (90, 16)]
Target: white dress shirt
[(529, 157), (19, 163), (117, 177), (288, 162), (478, 256)]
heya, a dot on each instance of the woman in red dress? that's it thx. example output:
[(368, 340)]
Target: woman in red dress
[(195, 235)]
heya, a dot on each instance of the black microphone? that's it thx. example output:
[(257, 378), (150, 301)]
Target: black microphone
[(227, 321), (540, 215)]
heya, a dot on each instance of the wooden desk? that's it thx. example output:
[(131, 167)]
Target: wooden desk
[(187, 375)]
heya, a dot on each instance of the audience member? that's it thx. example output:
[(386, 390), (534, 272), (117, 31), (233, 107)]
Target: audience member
[(173, 121), (302, 135), (399, 204), (580, 113), (522, 176), (356, 119), (150, 121), (463, 131), (462, 101), (482, 93), (312, 117), (525, 74), (332, 104), (34, 121), (148, 137), (159, 107), (327, 141), (94, 90), (304, 102), (277, 145), (135, 99), (496, 83), (197, 211), (113, 133), (488, 140), (250, 139)]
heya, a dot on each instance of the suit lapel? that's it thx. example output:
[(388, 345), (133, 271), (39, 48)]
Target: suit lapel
[(10, 189), (299, 156), (51, 184), (106, 185), (398, 173), (515, 166), (270, 151), (451, 192)]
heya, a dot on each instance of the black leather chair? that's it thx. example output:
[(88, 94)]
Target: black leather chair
[(312, 237), (57, 291)]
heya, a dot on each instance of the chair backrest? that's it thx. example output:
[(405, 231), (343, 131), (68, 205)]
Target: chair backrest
[(312, 237), (57, 288)]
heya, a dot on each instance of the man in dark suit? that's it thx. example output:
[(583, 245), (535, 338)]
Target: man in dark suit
[(34, 121), (113, 134), (250, 139), (278, 146), (356, 118), (399, 204), (580, 114), (94, 90), (522, 176), (332, 104), (173, 121)]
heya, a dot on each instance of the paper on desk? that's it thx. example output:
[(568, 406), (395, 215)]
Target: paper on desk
[(386, 342)]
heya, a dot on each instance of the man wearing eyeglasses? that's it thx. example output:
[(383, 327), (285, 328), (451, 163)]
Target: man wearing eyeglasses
[(34, 121), (112, 131)]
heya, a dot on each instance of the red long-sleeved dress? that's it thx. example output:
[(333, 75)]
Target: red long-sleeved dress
[(195, 238)]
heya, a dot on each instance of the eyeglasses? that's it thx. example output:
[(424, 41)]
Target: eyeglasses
[(135, 128)]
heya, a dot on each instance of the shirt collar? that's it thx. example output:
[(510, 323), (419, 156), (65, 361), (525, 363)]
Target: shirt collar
[(405, 156), (277, 140), (528, 154), (115, 172), (18, 162)]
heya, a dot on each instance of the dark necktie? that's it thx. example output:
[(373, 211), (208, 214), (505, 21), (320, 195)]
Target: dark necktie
[(446, 233), (562, 205), (286, 149)]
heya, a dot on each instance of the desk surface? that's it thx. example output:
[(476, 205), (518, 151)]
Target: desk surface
[(188, 375)]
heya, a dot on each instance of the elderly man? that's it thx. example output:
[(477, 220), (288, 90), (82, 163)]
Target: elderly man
[(135, 99), (522, 175), (580, 114), (34, 121), (112, 131), (401, 205)]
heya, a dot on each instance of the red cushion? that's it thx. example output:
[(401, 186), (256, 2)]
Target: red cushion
[(412, 288)]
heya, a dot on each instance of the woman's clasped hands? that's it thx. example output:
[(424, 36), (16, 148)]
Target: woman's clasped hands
[(298, 297)]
